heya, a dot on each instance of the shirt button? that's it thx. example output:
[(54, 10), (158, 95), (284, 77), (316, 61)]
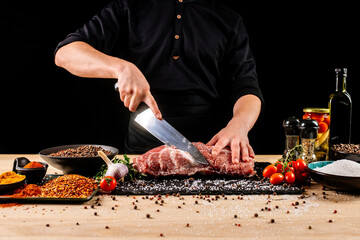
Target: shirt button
[(175, 57), (178, 16), (177, 36)]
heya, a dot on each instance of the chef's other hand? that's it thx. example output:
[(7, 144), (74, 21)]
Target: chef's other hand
[(134, 89), (236, 139)]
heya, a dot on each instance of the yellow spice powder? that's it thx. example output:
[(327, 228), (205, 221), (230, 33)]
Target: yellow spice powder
[(10, 177)]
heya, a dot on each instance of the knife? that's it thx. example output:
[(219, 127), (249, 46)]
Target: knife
[(167, 134)]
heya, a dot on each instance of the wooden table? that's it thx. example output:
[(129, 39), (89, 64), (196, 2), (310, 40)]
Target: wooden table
[(318, 214)]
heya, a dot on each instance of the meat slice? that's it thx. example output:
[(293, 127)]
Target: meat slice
[(166, 161)]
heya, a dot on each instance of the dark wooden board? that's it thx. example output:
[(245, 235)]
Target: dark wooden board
[(206, 185)]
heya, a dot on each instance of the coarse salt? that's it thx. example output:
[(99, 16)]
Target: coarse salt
[(341, 167)]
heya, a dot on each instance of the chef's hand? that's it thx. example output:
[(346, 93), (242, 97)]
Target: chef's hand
[(134, 89), (235, 134), (236, 139)]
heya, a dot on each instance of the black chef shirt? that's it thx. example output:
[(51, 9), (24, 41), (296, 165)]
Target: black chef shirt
[(194, 53)]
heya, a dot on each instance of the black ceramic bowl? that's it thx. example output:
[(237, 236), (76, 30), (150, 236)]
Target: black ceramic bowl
[(7, 188), (336, 182), (33, 175), (337, 155), (86, 166)]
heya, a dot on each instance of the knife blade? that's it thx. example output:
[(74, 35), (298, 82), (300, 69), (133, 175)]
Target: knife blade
[(167, 134)]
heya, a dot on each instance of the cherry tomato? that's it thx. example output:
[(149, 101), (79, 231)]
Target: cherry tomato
[(108, 183), (291, 169), (300, 165), (307, 115), (305, 175), (319, 117), (279, 167), (276, 178), (289, 177), (299, 178), (323, 127), (269, 170), (327, 119)]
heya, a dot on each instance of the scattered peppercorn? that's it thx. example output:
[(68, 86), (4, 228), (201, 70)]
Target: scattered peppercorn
[(256, 215), (95, 213), (135, 207), (330, 221), (161, 235), (335, 211), (272, 220), (147, 215), (47, 225), (77, 223), (235, 216), (106, 227), (310, 227), (188, 225)]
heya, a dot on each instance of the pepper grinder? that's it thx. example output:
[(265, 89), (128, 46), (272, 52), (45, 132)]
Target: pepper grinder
[(308, 133), (291, 127)]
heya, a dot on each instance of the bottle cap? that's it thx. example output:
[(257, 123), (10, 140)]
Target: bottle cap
[(308, 128), (291, 126)]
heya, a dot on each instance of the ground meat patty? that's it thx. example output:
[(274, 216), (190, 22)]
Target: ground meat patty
[(165, 161)]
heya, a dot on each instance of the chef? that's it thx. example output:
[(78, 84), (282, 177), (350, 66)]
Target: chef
[(188, 60)]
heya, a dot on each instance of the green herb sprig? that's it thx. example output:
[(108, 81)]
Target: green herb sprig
[(291, 155), (132, 175)]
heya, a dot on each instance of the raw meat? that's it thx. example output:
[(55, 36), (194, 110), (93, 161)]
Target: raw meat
[(165, 161)]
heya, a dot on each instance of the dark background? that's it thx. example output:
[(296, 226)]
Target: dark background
[(296, 46)]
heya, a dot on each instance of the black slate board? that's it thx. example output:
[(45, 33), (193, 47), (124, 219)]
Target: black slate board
[(206, 185)]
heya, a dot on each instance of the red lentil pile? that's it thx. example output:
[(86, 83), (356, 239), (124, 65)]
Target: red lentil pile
[(69, 186)]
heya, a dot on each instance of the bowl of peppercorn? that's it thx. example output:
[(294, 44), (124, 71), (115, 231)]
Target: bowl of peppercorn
[(345, 151), (34, 171), (82, 159)]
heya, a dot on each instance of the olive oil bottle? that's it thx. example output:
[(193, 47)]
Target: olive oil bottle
[(340, 106)]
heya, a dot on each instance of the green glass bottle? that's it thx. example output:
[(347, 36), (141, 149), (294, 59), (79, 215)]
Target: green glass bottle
[(340, 106)]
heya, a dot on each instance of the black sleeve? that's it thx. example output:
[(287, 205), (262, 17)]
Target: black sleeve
[(240, 65), (101, 32)]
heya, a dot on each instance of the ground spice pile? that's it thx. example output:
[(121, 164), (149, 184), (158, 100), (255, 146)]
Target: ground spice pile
[(33, 165), (10, 177), (30, 190), (69, 186)]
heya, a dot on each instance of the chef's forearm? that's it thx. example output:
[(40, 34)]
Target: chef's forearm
[(245, 112), (83, 60)]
